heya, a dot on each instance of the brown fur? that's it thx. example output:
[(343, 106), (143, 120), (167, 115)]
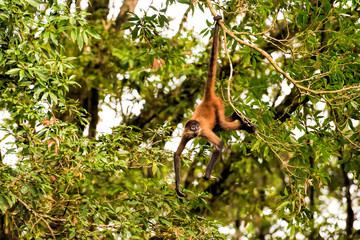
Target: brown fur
[(208, 117)]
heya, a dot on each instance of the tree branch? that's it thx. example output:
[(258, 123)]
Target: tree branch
[(127, 6), (271, 60)]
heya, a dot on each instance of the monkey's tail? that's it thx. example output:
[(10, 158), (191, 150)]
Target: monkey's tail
[(210, 79)]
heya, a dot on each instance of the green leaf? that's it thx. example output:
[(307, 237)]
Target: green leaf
[(53, 38), (46, 94), (25, 83), (266, 151), (22, 74), (38, 91), (54, 98), (86, 40), (292, 230), (165, 222), (246, 60), (45, 52), (134, 17), (33, 3), (256, 145), (327, 7), (3, 204), (127, 25), (254, 63), (92, 33), (13, 71), (154, 169), (41, 74), (80, 40), (73, 34), (282, 205), (161, 21), (134, 33)]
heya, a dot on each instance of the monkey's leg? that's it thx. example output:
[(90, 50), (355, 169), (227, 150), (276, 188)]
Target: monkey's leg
[(231, 118), (218, 126), (230, 126), (244, 124), (218, 146), (177, 154)]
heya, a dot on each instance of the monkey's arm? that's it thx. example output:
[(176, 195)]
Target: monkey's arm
[(177, 154)]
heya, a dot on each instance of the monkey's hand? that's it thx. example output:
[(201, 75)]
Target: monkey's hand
[(217, 18)]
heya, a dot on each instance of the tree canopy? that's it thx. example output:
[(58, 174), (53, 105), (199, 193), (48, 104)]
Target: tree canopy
[(292, 67)]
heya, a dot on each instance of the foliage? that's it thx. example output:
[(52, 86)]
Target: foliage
[(64, 185), (295, 73)]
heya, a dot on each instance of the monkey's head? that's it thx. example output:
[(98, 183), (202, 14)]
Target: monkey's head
[(192, 127)]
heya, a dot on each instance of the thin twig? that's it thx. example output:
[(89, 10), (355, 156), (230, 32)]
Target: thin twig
[(183, 20), (286, 165), (337, 125), (37, 215)]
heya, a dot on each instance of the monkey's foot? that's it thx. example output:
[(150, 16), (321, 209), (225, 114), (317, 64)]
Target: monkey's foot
[(251, 129)]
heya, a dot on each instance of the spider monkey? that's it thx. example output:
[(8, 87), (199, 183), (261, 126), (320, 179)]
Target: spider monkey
[(209, 117)]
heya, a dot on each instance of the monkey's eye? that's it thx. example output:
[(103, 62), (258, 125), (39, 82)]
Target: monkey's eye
[(194, 127)]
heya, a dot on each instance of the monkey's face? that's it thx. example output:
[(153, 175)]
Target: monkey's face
[(192, 128)]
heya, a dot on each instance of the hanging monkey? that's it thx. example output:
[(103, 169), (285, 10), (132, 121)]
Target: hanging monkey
[(208, 117)]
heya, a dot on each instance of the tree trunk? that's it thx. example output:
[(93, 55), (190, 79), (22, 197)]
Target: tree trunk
[(349, 210), (128, 6), (89, 96)]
